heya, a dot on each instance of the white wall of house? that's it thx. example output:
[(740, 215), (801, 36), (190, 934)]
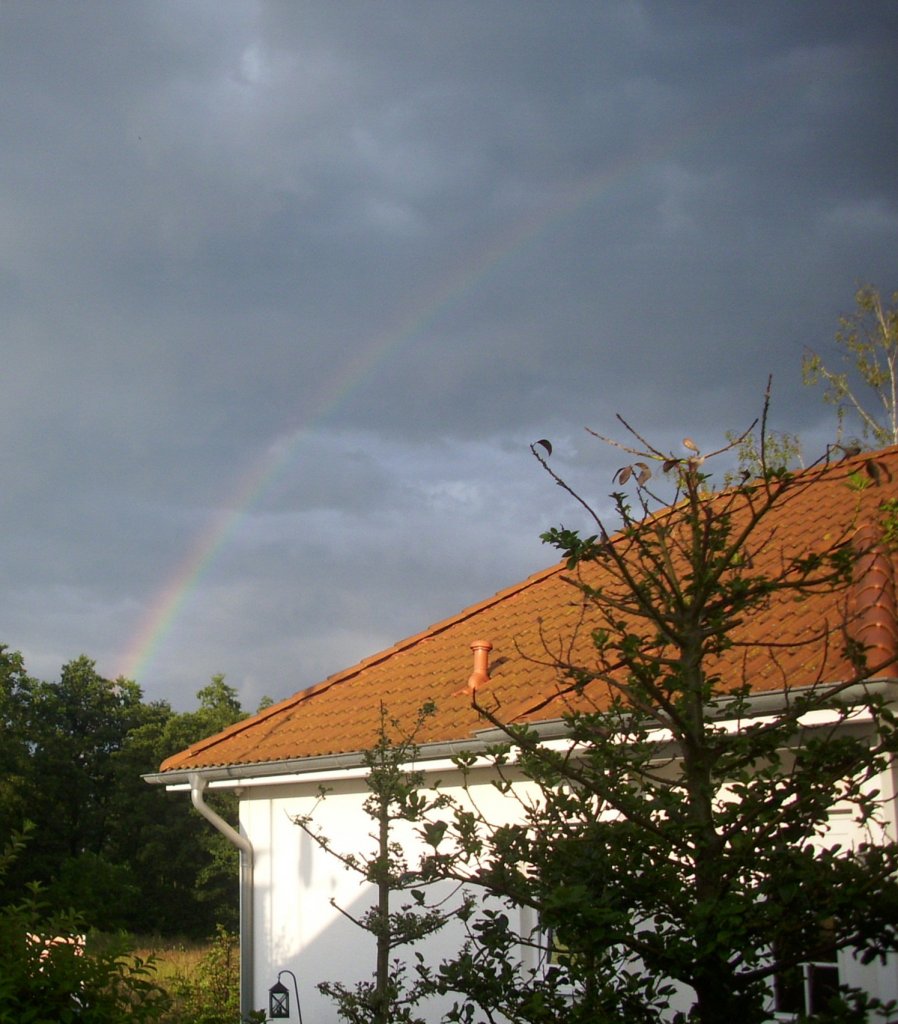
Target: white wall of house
[(296, 926)]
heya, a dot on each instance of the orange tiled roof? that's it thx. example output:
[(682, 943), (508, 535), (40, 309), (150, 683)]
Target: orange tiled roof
[(341, 714)]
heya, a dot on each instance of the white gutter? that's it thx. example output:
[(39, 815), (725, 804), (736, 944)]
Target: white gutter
[(341, 774), (197, 787)]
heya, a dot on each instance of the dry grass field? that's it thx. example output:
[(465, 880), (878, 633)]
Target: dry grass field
[(173, 958), (202, 978)]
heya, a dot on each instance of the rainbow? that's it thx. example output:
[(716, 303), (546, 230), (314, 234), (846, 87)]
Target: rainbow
[(156, 623), (171, 599)]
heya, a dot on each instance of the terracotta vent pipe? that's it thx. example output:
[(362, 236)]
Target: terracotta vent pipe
[(481, 673), (874, 623)]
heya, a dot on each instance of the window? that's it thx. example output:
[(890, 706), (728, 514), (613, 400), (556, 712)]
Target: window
[(806, 989), (809, 987)]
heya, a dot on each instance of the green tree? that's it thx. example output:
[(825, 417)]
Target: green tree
[(74, 726), (126, 855), (868, 386), (218, 708), (187, 872), (156, 841), (760, 450), (395, 795), (667, 851), (14, 750)]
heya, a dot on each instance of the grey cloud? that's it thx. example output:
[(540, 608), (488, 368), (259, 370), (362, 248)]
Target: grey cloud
[(411, 238)]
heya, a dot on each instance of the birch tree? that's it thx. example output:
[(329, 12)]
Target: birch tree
[(867, 386)]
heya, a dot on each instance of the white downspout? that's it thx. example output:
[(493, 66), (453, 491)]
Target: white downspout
[(197, 787)]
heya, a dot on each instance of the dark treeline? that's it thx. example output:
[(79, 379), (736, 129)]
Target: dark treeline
[(124, 854)]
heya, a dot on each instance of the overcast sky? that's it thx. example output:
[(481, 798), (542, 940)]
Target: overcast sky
[(289, 288)]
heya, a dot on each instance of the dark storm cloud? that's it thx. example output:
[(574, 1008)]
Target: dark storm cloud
[(401, 241)]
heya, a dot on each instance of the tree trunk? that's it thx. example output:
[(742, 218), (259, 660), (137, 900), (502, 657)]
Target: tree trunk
[(382, 981)]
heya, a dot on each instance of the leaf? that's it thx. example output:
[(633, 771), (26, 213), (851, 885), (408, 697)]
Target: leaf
[(875, 470), (690, 444), (542, 442), (670, 464), (644, 474), (623, 474), (433, 832)]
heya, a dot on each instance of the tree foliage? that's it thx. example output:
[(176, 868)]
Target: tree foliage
[(14, 745), (759, 450), (126, 854), (677, 848), (210, 994), (49, 973), (868, 386), (395, 795)]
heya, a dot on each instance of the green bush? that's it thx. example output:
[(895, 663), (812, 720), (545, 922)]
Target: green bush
[(50, 975), (210, 994)]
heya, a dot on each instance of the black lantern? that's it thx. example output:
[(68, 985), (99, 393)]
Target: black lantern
[(279, 999)]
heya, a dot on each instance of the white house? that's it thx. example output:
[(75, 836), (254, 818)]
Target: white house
[(278, 760)]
